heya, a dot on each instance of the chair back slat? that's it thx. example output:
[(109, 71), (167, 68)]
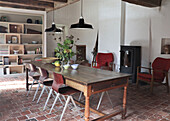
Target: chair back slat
[(43, 74), (58, 82), (32, 69), (104, 58), (161, 64)]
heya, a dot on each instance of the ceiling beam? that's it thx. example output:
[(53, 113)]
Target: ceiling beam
[(29, 3), (62, 1), (147, 3), (21, 7), (58, 6)]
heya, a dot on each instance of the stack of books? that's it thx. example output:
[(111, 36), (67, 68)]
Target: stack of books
[(3, 52)]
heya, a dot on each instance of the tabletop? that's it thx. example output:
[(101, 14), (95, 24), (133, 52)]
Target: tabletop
[(83, 75)]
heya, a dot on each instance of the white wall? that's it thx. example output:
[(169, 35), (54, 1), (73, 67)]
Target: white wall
[(109, 27), (103, 15), (145, 25), (142, 26), (69, 15)]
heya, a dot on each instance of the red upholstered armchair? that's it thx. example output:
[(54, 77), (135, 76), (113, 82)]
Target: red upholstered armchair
[(159, 71), (104, 61)]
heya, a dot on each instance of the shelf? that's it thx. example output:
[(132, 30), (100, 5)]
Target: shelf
[(12, 65), (30, 34), (2, 66), (32, 44), (20, 34), (11, 55), (20, 23), (20, 54), (18, 44), (16, 54), (20, 38), (31, 54)]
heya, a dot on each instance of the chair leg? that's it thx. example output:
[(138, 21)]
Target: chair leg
[(100, 100), (151, 87), (167, 82), (167, 88), (64, 98), (52, 92), (61, 101), (137, 80), (59, 98), (73, 102), (65, 107), (46, 90), (58, 94), (49, 95), (36, 92), (37, 83), (137, 83), (109, 98), (31, 87), (44, 87), (75, 106), (80, 96)]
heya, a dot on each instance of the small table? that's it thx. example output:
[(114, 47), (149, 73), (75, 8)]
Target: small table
[(90, 81)]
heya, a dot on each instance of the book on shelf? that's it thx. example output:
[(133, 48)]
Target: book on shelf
[(3, 51), (6, 61)]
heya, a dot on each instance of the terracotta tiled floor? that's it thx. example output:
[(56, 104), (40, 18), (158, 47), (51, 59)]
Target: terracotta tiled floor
[(15, 106)]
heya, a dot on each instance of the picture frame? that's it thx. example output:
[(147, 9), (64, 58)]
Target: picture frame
[(165, 46), (14, 39)]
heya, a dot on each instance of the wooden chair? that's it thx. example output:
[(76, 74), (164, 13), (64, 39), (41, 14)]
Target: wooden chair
[(47, 85), (157, 73), (32, 74), (104, 61), (60, 89), (45, 81)]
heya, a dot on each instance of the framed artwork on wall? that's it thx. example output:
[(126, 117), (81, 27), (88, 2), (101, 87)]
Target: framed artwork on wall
[(165, 46)]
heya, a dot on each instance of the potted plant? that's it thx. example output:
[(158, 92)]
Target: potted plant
[(64, 50)]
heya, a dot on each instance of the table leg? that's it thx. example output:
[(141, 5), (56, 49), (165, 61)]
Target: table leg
[(87, 108), (124, 102), (27, 86)]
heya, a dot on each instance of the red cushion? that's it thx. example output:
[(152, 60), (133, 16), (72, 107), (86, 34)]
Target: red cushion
[(67, 90), (103, 59), (148, 77), (159, 66)]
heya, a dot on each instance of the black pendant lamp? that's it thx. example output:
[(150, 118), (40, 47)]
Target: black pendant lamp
[(53, 27), (81, 24)]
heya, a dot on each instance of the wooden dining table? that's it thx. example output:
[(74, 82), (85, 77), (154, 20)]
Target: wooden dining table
[(89, 81)]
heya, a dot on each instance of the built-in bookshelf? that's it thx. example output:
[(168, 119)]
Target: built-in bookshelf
[(19, 43)]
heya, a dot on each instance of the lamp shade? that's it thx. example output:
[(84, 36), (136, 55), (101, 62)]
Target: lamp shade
[(81, 25), (57, 30), (51, 29)]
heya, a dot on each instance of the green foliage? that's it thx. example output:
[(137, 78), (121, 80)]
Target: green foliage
[(64, 51)]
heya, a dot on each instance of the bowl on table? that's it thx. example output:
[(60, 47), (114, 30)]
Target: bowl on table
[(66, 66), (74, 66)]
